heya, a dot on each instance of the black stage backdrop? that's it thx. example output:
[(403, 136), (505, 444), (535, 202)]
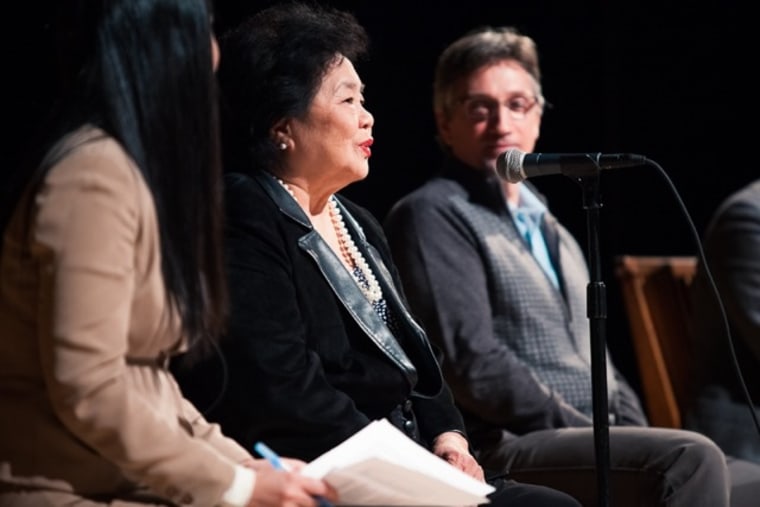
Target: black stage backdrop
[(668, 80)]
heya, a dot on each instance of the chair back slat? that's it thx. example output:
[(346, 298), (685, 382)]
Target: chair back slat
[(656, 298)]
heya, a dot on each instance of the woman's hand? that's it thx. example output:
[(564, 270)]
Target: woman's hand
[(281, 488), (453, 447), (291, 464)]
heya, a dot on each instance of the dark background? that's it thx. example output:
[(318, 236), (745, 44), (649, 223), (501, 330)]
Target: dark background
[(668, 80)]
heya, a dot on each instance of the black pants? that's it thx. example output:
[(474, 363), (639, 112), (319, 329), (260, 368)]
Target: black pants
[(514, 494), (508, 492), (655, 467)]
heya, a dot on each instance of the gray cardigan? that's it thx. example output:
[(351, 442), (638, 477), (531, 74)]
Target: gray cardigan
[(517, 350)]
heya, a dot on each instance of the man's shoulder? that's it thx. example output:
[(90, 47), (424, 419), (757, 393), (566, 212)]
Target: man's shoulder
[(741, 206), (749, 194), (434, 193)]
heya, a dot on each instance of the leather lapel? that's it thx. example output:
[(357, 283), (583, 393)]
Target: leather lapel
[(340, 280), (357, 305)]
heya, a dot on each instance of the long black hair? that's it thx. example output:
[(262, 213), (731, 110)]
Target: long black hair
[(141, 71)]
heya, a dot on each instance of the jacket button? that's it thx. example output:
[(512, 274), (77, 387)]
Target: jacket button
[(409, 426), (408, 406)]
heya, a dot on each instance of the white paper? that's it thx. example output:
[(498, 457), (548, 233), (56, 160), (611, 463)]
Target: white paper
[(379, 465)]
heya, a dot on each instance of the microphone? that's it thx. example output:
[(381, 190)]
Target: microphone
[(514, 165)]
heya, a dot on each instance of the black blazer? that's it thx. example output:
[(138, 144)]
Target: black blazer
[(308, 361)]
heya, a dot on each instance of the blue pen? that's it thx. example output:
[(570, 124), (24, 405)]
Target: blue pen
[(271, 456), (274, 459)]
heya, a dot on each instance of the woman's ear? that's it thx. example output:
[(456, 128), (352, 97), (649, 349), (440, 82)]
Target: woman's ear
[(281, 133)]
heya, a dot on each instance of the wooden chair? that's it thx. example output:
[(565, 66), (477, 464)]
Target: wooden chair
[(656, 299)]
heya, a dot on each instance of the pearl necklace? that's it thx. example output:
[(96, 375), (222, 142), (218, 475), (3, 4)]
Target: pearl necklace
[(361, 273)]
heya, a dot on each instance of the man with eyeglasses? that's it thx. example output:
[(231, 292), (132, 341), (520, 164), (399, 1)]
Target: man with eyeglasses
[(500, 286)]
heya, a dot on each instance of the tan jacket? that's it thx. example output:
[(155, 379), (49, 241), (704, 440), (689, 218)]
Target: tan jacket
[(86, 402)]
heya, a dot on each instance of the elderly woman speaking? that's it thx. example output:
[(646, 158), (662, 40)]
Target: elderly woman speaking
[(320, 341)]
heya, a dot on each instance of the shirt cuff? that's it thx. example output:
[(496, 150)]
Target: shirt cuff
[(240, 491)]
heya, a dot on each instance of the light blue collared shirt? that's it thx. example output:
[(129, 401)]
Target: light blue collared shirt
[(527, 215)]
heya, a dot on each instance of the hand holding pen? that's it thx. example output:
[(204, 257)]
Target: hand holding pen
[(307, 492)]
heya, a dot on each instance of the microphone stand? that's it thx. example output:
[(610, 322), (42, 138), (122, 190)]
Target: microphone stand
[(596, 304)]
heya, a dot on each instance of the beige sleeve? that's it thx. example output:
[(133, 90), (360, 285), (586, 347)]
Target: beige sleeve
[(86, 227)]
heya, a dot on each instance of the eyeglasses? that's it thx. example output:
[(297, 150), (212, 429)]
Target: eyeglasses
[(479, 108)]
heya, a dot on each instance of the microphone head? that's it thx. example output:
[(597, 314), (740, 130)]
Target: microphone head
[(509, 165)]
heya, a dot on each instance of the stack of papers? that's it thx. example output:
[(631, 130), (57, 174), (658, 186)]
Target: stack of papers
[(380, 465)]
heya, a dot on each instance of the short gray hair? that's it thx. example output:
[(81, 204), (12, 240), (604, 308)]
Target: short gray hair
[(480, 47)]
